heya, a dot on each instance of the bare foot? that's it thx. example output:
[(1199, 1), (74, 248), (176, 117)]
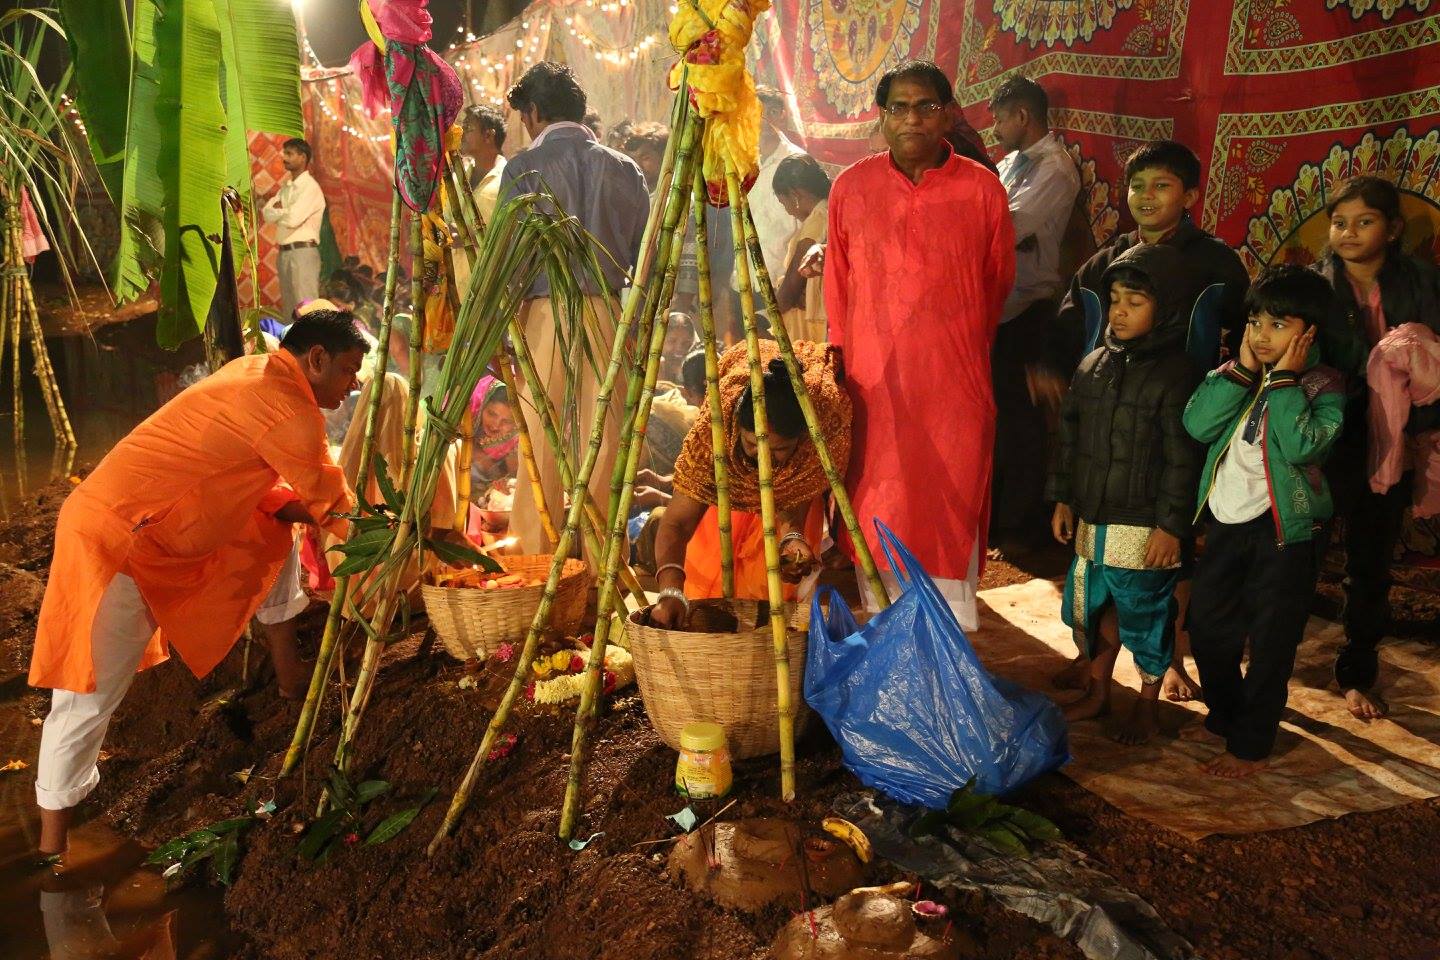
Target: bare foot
[(1074, 676), (1366, 706), (1178, 686), (1197, 732), (1142, 724), (1227, 766), (1095, 703)]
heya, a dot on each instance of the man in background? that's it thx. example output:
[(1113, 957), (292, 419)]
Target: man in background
[(296, 210), (483, 139), (1042, 183)]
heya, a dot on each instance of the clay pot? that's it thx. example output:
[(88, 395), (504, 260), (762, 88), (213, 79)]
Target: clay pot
[(749, 864), (862, 925)]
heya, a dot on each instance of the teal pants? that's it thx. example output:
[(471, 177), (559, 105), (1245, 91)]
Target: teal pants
[(1145, 608)]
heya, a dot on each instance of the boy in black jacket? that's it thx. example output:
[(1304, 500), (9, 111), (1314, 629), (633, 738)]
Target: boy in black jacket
[(1127, 472)]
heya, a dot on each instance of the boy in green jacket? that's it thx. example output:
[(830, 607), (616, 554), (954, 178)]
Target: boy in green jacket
[(1269, 419)]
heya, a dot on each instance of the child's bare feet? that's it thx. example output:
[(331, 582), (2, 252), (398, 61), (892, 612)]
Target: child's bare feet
[(1178, 686), (1227, 766), (1366, 705), (1142, 724), (1095, 703), (1075, 675)]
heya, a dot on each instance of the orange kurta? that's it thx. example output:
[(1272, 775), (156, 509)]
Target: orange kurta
[(183, 505)]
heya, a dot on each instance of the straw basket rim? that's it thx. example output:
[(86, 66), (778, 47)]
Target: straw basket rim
[(474, 622)]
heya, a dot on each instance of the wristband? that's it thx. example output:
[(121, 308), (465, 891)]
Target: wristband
[(670, 566)]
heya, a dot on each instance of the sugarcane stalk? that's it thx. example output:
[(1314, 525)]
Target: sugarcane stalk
[(470, 209), (712, 389), (863, 554), (44, 370), (417, 343), (778, 629), (527, 450), (622, 496), (329, 639), (462, 472), (578, 499)]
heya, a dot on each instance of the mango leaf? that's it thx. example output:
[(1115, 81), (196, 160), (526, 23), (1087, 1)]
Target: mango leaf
[(369, 790), (461, 556), (225, 858), (964, 797), (357, 563), (975, 816), (365, 541), (391, 826), (230, 826), (320, 834), (1005, 840), (1032, 825), (380, 470), (99, 35)]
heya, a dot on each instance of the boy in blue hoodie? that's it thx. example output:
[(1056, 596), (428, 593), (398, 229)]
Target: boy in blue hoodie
[(1270, 419)]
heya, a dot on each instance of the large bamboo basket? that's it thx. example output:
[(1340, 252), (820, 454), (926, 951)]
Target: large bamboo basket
[(726, 678), (473, 623)]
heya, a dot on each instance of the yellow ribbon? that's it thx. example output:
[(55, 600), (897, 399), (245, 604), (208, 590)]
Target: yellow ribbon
[(721, 87)]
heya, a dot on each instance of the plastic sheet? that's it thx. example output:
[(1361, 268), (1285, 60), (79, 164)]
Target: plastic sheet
[(914, 711), (1053, 886)]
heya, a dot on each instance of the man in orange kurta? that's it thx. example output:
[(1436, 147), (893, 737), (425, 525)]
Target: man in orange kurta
[(178, 535)]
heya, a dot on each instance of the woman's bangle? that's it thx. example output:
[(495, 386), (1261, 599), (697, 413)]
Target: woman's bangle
[(670, 566), (674, 593), (794, 535)]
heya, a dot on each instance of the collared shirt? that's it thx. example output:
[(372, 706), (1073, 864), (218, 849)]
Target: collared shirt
[(1042, 183), (487, 191), (772, 224), (297, 210), (601, 187)]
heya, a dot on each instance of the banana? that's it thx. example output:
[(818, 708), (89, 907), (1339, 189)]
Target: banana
[(851, 835)]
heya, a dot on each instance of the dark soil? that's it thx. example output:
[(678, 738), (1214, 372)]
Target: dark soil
[(1365, 886)]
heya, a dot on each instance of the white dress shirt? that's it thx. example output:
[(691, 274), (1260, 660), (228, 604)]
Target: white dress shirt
[(772, 224), (487, 191), (1042, 182), (297, 210)]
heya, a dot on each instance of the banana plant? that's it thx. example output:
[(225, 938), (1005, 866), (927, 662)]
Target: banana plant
[(170, 91)]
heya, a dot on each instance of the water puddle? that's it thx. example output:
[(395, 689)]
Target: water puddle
[(107, 905)]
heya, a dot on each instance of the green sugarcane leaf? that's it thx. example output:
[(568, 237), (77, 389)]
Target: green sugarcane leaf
[(1004, 839), (1033, 825), (369, 790), (459, 556), (321, 832), (225, 858)]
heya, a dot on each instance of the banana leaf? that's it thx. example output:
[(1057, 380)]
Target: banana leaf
[(98, 32), (142, 241)]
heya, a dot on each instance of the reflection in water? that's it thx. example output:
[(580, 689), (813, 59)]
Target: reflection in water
[(76, 927)]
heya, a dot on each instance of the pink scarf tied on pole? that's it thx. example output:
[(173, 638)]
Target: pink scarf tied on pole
[(424, 93)]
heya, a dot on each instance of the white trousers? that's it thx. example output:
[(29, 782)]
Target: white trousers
[(960, 595), (75, 728), (299, 271)]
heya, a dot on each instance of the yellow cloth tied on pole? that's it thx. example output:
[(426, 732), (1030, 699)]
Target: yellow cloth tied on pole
[(711, 36)]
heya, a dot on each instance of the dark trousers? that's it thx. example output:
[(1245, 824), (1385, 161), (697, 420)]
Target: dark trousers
[(1248, 587), (1017, 488), (1373, 524)]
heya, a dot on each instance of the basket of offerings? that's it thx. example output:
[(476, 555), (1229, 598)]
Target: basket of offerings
[(474, 611), (721, 668)]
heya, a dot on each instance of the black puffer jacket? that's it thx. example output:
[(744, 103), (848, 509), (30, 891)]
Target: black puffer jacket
[(1124, 454)]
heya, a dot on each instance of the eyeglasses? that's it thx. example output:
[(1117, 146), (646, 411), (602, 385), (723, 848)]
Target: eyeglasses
[(925, 109)]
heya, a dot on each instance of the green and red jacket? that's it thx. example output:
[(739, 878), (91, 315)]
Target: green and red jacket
[(1297, 417)]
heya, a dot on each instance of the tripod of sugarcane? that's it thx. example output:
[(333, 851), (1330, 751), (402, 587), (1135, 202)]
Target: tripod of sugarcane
[(682, 186), (20, 319)]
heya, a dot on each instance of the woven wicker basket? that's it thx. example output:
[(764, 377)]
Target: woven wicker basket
[(473, 623), (726, 678)]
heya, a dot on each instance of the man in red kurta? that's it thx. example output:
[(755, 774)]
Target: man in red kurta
[(178, 535), (920, 260)]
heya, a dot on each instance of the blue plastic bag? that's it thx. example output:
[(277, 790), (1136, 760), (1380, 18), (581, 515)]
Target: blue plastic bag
[(914, 711)]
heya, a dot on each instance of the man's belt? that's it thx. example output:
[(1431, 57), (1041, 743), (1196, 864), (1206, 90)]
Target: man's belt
[(300, 246)]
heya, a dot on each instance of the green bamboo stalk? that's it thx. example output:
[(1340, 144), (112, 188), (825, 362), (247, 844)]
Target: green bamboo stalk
[(778, 628), (329, 640), (417, 343), (624, 496), (641, 277), (807, 407), (712, 389)]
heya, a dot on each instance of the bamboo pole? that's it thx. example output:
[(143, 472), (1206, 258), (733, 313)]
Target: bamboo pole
[(329, 640), (623, 494), (807, 407), (712, 390), (677, 155), (779, 632)]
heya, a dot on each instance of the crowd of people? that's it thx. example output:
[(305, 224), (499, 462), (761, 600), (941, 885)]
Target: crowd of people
[(986, 376)]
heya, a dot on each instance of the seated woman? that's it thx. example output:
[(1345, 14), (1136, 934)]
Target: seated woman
[(495, 452), (687, 544)]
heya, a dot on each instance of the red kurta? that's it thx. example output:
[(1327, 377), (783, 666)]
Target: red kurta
[(915, 277), (183, 505)]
